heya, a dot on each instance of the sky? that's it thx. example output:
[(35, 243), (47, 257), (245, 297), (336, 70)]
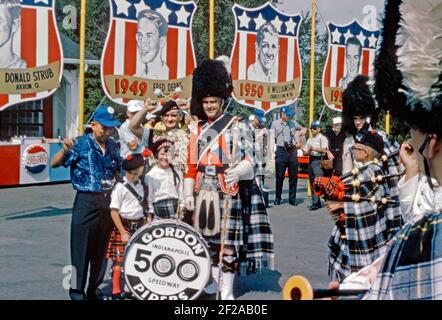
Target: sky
[(338, 11)]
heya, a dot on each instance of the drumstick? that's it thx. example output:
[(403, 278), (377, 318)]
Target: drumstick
[(178, 90)]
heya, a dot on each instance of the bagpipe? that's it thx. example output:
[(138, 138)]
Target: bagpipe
[(299, 288), (382, 161), (346, 188)]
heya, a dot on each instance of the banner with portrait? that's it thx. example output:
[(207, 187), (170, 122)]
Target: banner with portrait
[(31, 57), (265, 62), (351, 51), (148, 47)]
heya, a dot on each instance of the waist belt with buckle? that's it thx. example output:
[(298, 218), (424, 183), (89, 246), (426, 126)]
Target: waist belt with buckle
[(133, 225), (213, 170)]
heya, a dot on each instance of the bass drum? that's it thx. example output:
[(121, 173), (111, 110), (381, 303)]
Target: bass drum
[(167, 260)]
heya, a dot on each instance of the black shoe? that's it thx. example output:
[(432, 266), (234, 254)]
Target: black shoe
[(277, 202), (119, 296), (314, 207), (75, 294), (293, 203), (97, 295)]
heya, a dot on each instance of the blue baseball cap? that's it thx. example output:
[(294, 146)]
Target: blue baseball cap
[(105, 115), (287, 111), (315, 124), (260, 114)]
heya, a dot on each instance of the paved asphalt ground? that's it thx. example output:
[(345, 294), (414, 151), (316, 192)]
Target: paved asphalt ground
[(35, 231)]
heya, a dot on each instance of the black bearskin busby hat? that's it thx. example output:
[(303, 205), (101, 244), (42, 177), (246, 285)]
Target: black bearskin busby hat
[(210, 79), (408, 67), (357, 100)]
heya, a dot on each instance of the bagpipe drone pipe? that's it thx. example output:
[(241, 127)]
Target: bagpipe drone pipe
[(347, 188)]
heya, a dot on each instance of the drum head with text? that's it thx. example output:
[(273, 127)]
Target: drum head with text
[(167, 260)]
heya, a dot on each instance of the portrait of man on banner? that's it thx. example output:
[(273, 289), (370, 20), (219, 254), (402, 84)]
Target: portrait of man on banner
[(265, 60), (148, 47), (353, 53), (267, 47), (10, 11), (151, 40)]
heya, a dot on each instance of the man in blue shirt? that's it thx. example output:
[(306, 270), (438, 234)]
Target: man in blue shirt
[(95, 161)]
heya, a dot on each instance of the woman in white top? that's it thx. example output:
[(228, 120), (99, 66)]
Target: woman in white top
[(165, 184)]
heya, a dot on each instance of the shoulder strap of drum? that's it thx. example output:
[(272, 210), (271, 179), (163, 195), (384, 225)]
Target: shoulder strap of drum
[(145, 192), (176, 177), (140, 199)]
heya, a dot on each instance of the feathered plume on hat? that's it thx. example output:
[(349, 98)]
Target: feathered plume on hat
[(408, 67), (210, 79), (357, 100)]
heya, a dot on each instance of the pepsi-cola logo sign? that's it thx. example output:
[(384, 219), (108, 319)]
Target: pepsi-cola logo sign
[(35, 159)]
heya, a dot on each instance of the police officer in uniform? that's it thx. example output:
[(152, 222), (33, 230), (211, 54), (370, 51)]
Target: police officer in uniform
[(286, 153)]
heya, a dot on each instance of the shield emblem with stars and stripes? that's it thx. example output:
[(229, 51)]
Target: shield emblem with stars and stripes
[(30, 51), (351, 51), (149, 46), (265, 61)]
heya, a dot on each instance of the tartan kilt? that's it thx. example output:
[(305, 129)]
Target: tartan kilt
[(116, 249), (338, 263), (361, 247), (248, 228), (412, 267), (166, 209)]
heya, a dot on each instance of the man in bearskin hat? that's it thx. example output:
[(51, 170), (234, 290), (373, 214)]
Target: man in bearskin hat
[(220, 166), (359, 114), (409, 84)]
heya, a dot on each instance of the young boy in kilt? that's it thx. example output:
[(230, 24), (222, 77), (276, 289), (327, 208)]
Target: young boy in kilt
[(369, 225), (127, 213), (165, 185)]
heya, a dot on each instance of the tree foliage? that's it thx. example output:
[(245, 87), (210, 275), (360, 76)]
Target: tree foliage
[(97, 22)]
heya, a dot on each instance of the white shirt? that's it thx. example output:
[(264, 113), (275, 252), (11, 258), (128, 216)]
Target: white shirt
[(161, 185), (417, 197), (127, 136), (316, 142), (122, 199)]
